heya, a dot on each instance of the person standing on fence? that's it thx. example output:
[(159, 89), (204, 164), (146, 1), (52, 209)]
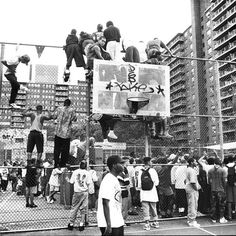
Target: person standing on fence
[(191, 188), (147, 182), (10, 74), (65, 116), (73, 51), (109, 214), (112, 35), (35, 136), (82, 181)]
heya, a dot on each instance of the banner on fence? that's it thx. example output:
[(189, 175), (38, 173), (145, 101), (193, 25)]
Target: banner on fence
[(114, 82)]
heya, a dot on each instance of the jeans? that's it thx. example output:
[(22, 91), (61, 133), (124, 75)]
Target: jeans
[(218, 198), (61, 147), (192, 198), (149, 208), (15, 86)]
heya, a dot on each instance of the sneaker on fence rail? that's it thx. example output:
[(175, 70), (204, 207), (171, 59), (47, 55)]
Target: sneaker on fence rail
[(13, 105), (147, 227), (32, 205), (24, 88)]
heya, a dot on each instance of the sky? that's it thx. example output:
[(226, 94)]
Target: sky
[(48, 22)]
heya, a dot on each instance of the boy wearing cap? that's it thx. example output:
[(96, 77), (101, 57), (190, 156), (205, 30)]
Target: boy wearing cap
[(109, 214), (10, 74)]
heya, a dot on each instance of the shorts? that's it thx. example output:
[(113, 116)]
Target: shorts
[(54, 188), (35, 138), (33, 189)]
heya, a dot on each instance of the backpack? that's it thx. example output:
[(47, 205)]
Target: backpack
[(146, 180), (231, 178)]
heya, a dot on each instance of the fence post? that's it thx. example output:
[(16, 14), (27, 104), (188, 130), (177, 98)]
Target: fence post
[(219, 110), (1, 66)]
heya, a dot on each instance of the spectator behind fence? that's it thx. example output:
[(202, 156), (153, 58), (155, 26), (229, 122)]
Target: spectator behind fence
[(206, 162), (94, 195), (31, 182), (123, 178), (192, 187), (180, 180), (82, 181), (132, 189), (217, 177), (166, 194), (4, 177), (231, 187), (147, 182), (54, 183), (109, 214)]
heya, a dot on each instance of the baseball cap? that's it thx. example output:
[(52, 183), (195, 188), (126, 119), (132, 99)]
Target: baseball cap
[(26, 58)]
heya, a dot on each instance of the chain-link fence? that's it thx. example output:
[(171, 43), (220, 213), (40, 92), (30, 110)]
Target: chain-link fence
[(202, 105)]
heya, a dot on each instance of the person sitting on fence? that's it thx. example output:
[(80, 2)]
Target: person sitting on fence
[(153, 49), (10, 74)]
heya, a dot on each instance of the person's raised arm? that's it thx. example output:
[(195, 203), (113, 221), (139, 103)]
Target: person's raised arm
[(167, 49), (27, 112)]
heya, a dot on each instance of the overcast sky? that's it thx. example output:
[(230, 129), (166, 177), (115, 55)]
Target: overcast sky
[(48, 22)]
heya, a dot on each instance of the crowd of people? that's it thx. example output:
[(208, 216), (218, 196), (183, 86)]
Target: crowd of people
[(158, 187)]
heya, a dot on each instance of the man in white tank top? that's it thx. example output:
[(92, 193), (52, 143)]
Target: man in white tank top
[(35, 136)]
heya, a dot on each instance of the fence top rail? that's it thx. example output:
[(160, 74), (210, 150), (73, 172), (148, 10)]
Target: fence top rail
[(30, 44), (201, 59), (164, 55), (98, 165)]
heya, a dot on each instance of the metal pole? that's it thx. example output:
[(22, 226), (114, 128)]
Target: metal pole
[(219, 110), (146, 140), (1, 66)]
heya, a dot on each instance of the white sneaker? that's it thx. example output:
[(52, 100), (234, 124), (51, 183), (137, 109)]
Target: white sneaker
[(194, 224), (223, 220), (13, 105), (147, 227), (112, 135), (48, 199), (105, 141), (24, 88), (155, 225)]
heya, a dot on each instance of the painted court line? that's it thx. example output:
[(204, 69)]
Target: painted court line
[(182, 228), (206, 231)]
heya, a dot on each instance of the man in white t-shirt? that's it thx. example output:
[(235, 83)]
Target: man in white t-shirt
[(82, 181), (109, 214)]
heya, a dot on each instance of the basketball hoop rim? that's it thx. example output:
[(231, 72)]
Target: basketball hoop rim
[(138, 99)]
